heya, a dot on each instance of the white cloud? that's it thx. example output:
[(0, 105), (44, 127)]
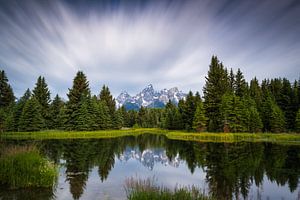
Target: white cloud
[(128, 48)]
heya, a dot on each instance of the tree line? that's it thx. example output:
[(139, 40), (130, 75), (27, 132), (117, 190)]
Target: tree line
[(229, 104)]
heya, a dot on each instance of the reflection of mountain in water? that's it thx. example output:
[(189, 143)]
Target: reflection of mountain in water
[(149, 157)]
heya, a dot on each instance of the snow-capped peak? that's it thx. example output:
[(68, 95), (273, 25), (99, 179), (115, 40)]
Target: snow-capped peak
[(148, 97)]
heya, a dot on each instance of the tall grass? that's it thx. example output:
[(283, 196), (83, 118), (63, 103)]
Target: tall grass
[(23, 166), (138, 189)]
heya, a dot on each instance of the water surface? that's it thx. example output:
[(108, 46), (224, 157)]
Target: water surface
[(97, 168)]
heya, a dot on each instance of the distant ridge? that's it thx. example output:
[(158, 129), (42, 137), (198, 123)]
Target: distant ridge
[(150, 98)]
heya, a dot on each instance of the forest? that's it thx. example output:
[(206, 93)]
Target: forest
[(229, 104)]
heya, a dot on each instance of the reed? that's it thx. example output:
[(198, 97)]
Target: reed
[(23, 166), (139, 189)]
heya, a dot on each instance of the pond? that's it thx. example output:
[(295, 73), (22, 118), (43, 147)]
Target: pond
[(98, 168)]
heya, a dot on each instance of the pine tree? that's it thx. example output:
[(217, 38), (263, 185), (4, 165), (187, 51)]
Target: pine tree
[(18, 109), (42, 94), (83, 120), (231, 80), (54, 112), (6, 93), (31, 118), (284, 102), (251, 119), (108, 99), (141, 116), (199, 123), (255, 92), (240, 85), (106, 119), (234, 114), (118, 119), (295, 103), (255, 123), (216, 85), (79, 91), (125, 116), (172, 117), (189, 109), (2, 120), (277, 121), (297, 122)]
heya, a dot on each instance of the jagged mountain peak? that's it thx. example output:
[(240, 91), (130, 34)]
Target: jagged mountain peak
[(148, 97)]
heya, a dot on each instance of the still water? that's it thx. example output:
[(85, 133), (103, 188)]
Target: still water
[(98, 168)]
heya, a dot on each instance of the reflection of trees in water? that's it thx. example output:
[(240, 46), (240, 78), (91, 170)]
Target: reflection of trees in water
[(230, 168), (28, 194)]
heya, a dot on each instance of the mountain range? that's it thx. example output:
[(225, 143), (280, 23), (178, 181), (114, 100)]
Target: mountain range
[(150, 157), (149, 98)]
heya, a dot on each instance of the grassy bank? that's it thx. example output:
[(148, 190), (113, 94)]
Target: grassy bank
[(177, 135), (137, 189), (235, 137), (54, 134), (22, 167)]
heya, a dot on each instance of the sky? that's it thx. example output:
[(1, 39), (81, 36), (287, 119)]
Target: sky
[(130, 44)]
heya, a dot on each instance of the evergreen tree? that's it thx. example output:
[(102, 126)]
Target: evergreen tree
[(6, 93), (108, 99), (277, 121), (295, 104), (199, 123), (80, 91), (234, 114), (125, 116), (297, 122), (255, 92), (255, 123), (141, 116), (83, 120), (118, 119), (284, 101), (132, 118), (106, 119), (172, 119), (18, 109), (42, 94), (189, 109), (54, 112), (231, 80), (240, 85), (216, 85), (2, 120), (31, 118)]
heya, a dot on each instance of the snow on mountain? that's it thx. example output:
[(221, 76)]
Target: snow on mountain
[(150, 157), (148, 97)]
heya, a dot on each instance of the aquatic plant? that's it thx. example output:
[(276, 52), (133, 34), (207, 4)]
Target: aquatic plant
[(23, 166), (139, 189)]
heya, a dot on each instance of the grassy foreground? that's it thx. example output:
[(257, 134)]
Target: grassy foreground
[(23, 166), (176, 135), (138, 189)]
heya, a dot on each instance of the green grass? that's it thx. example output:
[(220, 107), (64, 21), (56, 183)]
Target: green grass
[(56, 134), (235, 137), (22, 167), (176, 135), (137, 189)]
